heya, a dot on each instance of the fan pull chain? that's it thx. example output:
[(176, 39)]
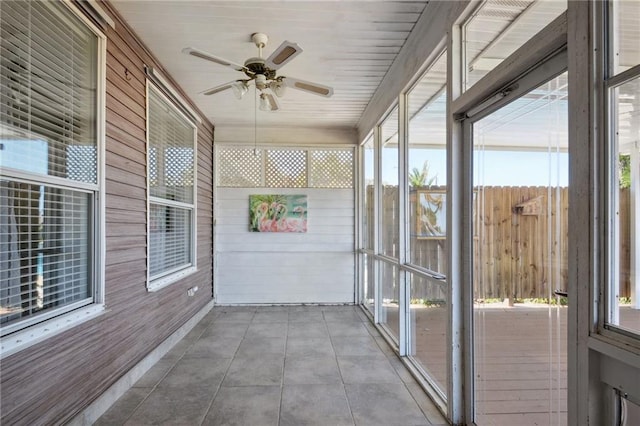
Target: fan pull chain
[(255, 121)]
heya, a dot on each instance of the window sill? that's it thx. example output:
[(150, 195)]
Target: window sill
[(162, 282), (29, 336)]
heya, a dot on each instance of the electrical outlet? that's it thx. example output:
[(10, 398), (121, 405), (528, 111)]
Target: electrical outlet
[(192, 291)]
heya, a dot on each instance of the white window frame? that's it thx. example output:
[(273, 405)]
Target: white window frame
[(603, 363), (411, 269), (609, 310), (611, 81), (30, 331), (485, 96), (160, 281)]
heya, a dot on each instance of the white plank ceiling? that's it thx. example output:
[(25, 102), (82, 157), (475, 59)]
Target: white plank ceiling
[(348, 45)]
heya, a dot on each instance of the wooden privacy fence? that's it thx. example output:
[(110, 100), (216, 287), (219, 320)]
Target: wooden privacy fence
[(520, 243)]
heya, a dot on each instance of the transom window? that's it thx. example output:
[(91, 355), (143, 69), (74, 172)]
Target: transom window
[(498, 28)]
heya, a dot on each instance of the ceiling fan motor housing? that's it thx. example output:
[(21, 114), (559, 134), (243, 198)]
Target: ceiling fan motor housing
[(257, 66), (261, 81)]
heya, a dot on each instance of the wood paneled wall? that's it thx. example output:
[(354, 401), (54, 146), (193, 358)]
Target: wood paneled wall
[(54, 380)]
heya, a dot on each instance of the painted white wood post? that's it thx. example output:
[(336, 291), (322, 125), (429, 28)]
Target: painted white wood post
[(404, 292), (457, 351), (377, 191)]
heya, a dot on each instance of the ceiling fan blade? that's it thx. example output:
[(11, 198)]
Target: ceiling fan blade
[(209, 57), (283, 54), (226, 86), (218, 89), (306, 86)]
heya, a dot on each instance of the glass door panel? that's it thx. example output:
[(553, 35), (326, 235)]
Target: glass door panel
[(429, 316), (624, 304), (389, 225), (520, 182), (368, 223), (368, 280), (427, 169), (389, 298), (390, 206)]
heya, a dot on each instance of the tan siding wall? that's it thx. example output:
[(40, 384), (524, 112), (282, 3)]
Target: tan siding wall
[(54, 380)]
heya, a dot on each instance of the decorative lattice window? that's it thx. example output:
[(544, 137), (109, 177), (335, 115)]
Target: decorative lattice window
[(331, 168), (286, 169), (238, 167), (81, 163)]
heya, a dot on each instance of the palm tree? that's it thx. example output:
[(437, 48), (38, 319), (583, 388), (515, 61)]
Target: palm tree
[(418, 178), (625, 170)]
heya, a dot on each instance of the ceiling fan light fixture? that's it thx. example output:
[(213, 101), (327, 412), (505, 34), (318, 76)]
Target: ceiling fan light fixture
[(279, 89), (268, 102), (240, 88), (264, 103)]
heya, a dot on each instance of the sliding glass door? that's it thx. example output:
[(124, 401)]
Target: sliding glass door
[(520, 232)]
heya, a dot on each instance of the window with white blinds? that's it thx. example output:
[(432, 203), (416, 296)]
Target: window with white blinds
[(48, 162), (171, 174)]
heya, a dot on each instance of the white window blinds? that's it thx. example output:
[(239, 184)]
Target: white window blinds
[(48, 161), (49, 79), (171, 150)]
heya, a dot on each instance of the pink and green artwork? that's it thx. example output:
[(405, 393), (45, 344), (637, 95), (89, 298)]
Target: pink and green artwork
[(278, 213)]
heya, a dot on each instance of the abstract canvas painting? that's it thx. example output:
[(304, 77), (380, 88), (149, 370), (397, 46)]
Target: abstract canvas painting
[(277, 213)]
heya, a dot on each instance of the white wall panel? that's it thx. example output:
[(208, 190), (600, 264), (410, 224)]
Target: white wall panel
[(312, 267), (244, 135)]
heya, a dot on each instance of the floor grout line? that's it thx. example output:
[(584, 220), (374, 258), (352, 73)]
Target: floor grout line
[(224, 376), (344, 386), (284, 365), (154, 387)]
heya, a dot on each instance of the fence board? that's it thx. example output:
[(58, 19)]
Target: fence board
[(518, 254)]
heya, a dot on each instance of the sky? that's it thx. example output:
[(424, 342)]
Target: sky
[(28, 155), (492, 168)]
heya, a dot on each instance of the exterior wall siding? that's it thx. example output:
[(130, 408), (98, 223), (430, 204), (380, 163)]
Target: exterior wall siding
[(52, 381)]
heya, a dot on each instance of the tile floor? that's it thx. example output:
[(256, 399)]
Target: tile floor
[(298, 365)]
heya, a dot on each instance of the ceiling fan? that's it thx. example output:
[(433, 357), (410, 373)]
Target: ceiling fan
[(262, 73)]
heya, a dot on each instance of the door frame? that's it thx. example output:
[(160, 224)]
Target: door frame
[(604, 366), (544, 72), (539, 60)]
